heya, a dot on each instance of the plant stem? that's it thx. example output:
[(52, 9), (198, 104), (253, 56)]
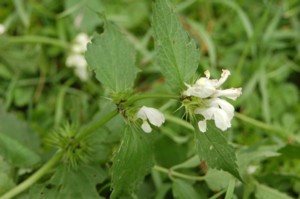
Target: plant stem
[(147, 96), (217, 195), (179, 121), (38, 39), (279, 132), (177, 174), (34, 178), (92, 128)]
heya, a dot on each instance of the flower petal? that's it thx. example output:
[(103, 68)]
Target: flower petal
[(2, 29), (224, 76), (222, 121), (224, 105), (231, 93), (76, 60), (206, 112), (146, 127), (202, 126), (203, 88), (154, 116), (207, 74), (81, 42), (142, 113), (82, 73)]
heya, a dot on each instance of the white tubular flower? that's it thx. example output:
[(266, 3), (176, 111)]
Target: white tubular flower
[(152, 115), (2, 29), (212, 107), (76, 58), (80, 43), (76, 61)]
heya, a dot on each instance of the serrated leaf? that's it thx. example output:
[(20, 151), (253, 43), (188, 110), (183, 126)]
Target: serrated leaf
[(132, 162), (112, 58), (18, 143), (265, 192), (214, 149), (69, 183), (177, 54), (183, 190)]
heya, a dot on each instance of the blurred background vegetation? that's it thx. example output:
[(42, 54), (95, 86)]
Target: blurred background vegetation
[(258, 41)]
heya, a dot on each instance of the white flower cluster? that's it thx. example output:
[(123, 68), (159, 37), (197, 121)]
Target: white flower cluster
[(76, 58), (212, 107), (152, 115)]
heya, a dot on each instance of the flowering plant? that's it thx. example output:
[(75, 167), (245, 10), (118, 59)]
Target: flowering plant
[(113, 106)]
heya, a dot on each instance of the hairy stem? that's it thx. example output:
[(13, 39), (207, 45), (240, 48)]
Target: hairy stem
[(92, 128), (279, 132), (170, 172), (147, 96), (38, 39)]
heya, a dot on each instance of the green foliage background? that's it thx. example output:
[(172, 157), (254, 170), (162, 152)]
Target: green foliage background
[(258, 41)]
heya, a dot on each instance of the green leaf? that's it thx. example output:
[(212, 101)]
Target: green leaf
[(17, 153), (177, 54), (112, 58), (70, 183), (183, 190), (162, 191), (265, 192), (217, 180), (89, 20), (189, 163), (6, 181), (18, 143), (214, 149), (290, 151), (168, 153), (230, 189), (132, 162)]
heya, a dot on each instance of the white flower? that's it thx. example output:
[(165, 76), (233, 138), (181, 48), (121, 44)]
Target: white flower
[(152, 115), (80, 43), (212, 107), (76, 58), (2, 29), (76, 61), (82, 73)]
